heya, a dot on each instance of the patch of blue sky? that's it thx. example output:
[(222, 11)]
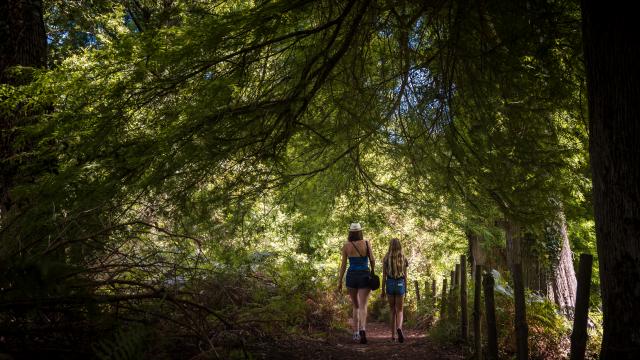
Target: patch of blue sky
[(394, 137), (385, 32), (421, 100), (419, 81), (414, 37), (128, 21), (81, 38)]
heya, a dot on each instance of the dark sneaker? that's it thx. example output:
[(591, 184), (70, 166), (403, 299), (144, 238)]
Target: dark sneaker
[(356, 337), (363, 337), (400, 336)]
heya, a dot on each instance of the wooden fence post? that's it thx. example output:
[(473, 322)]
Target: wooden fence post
[(477, 286), (427, 295), (433, 290), (579, 333), (464, 320), (522, 330), (490, 314), (443, 299), (415, 282), (452, 283), (450, 305)]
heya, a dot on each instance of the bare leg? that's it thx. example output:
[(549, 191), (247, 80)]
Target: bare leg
[(363, 296), (399, 302), (392, 308), (353, 293)]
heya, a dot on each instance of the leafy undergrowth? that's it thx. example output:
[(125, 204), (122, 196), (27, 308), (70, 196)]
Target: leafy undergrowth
[(265, 304), (221, 314), (549, 330)]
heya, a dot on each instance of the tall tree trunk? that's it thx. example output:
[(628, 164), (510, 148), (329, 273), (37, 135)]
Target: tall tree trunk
[(514, 243), (612, 55), (563, 280), (476, 251), (22, 42)]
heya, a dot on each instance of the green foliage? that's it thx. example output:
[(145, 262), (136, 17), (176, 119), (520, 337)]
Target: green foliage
[(127, 344), (445, 332), (229, 144), (425, 314), (548, 330), (594, 333)]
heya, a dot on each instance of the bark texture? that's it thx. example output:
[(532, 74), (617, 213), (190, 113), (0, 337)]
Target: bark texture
[(22, 34), (612, 55), (563, 280), (513, 238)]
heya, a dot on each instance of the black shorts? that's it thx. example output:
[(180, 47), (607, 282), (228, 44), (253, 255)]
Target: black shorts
[(358, 279)]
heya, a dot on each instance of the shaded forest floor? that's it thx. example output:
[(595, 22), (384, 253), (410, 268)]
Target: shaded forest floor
[(417, 345)]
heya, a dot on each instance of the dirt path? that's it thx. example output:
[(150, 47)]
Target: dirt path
[(416, 346)]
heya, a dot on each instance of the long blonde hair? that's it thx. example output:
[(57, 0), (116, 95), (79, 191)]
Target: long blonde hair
[(395, 261)]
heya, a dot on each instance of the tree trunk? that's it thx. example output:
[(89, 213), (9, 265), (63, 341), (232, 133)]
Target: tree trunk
[(612, 55), (22, 35), (563, 280), (512, 234), (22, 42)]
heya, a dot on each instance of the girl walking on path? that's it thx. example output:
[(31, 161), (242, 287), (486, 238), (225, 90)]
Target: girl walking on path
[(358, 251), (394, 273)]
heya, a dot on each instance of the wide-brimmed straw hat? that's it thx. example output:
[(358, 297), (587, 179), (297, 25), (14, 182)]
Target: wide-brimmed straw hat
[(355, 227)]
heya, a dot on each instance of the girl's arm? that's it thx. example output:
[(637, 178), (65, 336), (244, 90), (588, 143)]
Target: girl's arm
[(406, 280), (343, 267), (371, 258)]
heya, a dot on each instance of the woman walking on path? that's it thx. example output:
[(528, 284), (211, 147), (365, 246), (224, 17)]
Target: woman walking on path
[(358, 251), (394, 273)]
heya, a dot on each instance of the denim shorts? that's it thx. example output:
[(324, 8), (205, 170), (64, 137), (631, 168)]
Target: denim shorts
[(395, 286), (358, 279)]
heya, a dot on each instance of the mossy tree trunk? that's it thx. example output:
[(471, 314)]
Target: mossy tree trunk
[(563, 279)]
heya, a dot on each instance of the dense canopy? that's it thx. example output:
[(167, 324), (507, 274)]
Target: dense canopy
[(189, 164)]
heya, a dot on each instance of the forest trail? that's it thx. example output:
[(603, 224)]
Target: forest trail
[(417, 345)]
